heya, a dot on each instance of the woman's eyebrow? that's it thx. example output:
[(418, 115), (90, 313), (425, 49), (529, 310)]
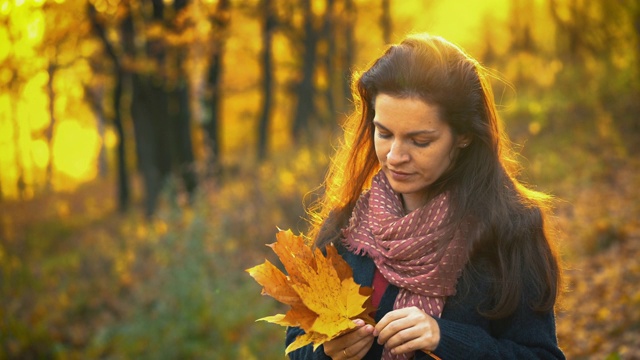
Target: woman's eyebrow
[(413, 133)]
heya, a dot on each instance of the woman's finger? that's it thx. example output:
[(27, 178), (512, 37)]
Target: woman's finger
[(360, 348), (351, 344), (392, 323), (408, 330)]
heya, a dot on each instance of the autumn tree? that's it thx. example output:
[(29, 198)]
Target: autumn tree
[(219, 18), (115, 54), (17, 70), (347, 53), (266, 60), (150, 56), (600, 38), (304, 88), (520, 26), (385, 21), (322, 38), (336, 57), (160, 99)]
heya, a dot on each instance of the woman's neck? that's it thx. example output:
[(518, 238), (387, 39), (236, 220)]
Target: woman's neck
[(414, 201)]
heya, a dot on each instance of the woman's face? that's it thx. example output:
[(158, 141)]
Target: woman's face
[(414, 146)]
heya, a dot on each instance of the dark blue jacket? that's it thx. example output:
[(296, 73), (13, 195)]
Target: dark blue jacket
[(464, 333)]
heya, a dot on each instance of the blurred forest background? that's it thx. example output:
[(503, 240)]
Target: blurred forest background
[(149, 149)]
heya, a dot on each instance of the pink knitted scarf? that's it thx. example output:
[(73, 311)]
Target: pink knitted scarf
[(419, 252)]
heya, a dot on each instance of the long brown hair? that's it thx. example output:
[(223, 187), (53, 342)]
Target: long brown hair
[(509, 233)]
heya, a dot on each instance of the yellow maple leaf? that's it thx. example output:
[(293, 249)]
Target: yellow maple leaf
[(320, 290)]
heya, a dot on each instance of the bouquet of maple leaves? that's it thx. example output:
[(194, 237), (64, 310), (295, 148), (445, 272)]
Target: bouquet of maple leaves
[(319, 289)]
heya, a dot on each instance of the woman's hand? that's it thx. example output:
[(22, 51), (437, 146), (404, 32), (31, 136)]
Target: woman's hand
[(352, 345), (407, 330)]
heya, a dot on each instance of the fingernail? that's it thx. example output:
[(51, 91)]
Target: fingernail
[(369, 328), (359, 322)]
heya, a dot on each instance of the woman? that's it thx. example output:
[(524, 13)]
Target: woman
[(423, 203)]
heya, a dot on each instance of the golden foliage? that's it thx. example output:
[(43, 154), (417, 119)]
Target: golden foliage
[(323, 297)]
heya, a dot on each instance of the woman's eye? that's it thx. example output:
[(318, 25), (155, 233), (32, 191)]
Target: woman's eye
[(421, 143), (384, 135)]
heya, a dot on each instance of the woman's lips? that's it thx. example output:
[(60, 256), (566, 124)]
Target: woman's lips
[(399, 175)]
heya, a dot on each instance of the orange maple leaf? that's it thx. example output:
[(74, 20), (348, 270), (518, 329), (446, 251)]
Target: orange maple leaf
[(320, 290)]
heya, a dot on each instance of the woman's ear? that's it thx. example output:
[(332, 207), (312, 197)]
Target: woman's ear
[(463, 140)]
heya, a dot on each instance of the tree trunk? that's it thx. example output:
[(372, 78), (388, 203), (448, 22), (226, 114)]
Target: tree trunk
[(519, 24), (213, 93), (212, 124), (636, 26), (161, 117), (181, 119), (52, 123), (567, 32), (385, 21), (305, 88), (267, 79), (149, 111), (349, 49), (214, 86), (93, 96), (103, 168), (329, 37), (123, 173), (123, 176)]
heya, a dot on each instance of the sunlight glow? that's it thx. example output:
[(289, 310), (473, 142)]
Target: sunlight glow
[(457, 21), (110, 138), (35, 27), (5, 7), (75, 149), (40, 153), (35, 102)]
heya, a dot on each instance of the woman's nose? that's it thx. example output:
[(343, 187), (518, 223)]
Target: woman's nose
[(397, 154)]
